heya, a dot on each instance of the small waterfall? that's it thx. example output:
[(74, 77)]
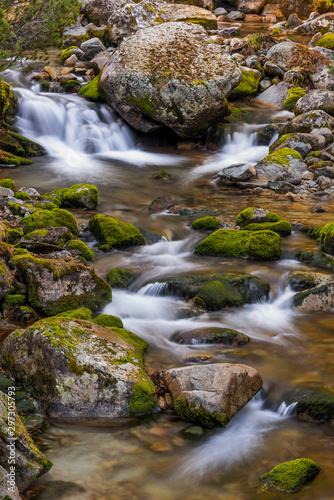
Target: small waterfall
[(285, 410), (154, 289)]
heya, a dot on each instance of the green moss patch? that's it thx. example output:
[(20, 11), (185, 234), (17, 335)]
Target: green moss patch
[(249, 84), (325, 237), (293, 96), (7, 183), (283, 157), (113, 233), (80, 313), (90, 91), (270, 221), (66, 53), (199, 416), (109, 321), (143, 401), (120, 278), (289, 477), (79, 245), (50, 218), (206, 224), (327, 41)]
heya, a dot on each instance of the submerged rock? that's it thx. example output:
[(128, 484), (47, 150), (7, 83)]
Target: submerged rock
[(211, 335), (312, 406), (210, 395), (30, 463), (54, 286), (316, 259), (303, 280), (319, 298), (80, 370), (150, 84), (289, 477)]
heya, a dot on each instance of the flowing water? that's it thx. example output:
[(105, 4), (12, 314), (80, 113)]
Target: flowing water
[(150, 459)]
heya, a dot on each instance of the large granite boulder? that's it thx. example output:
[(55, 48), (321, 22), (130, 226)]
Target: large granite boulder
[(17, 447), (55, 286), (81, 370), (170, 75), (211, 395)]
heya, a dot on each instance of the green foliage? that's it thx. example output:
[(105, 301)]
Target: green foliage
[(289, 477), (36, 25)]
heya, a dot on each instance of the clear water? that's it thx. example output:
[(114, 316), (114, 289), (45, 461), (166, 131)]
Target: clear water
[(150, 459)]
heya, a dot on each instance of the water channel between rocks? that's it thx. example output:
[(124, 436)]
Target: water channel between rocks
[(150, 459)]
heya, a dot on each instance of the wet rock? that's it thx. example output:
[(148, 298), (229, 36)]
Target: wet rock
[(113, 233), (220, 11), (150, 85), (312, 406), (315, 100), (210, 395), (265, 134), (293, 21), (303, 280), (55, 286), (273, 70), (29, 462), (219, 290), (118, 277), (274, 96), (316, 259), (319, 298), (234, 173), (232, 31), (289, 477), (206, 224), (211, 335), (254, 63), (40, 239), (162, 203), (314, 142), (81, 370)]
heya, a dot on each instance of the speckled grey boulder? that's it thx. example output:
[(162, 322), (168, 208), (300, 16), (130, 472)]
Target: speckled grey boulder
[(316, 99), (170, 75)]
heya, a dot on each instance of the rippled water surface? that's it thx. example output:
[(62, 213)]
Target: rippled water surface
[(150, 459)]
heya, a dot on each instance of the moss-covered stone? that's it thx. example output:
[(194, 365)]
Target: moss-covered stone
[(254, 219), (10, 159), (55, 286), (109, 321), (199, 416), (118, 277), (327, 41), (289, 477), (14, 234), (90, 91), (66, 53), (81, 196), (50, 218), (71, 86), (258, 245), (300, 280), (249, 84), (325, 237), (7, 183), (206, 224), (25, 406), (22, 195), (293, 96), (283, 157), (113, 233), (143, 401), (316, 259), (79, 245), (312, 405), (219, 294), (80, 313), (14, 300), (210, 335)]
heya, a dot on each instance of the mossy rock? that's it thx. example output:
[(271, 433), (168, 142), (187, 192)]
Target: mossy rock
[(293, 96), (199, 416), (109, 321), (8, 102), (312, 406), (283, 157), (66, 53), (7, 183), (14, 234), (258, 245), (327, 41), (13, 300), (5, 383), (71, 86), (80, 313), (206, 224), (81, 247), (218, 294), (263, 245), (22, 195), (90, 91), (118, 277), (301, 280), (325, 237), (13, 160), (77, 196), (289, 477), (113, 233), (316, 259), (26, 407), (50, 218), (255, 219), (34, 423), (249, 84)]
